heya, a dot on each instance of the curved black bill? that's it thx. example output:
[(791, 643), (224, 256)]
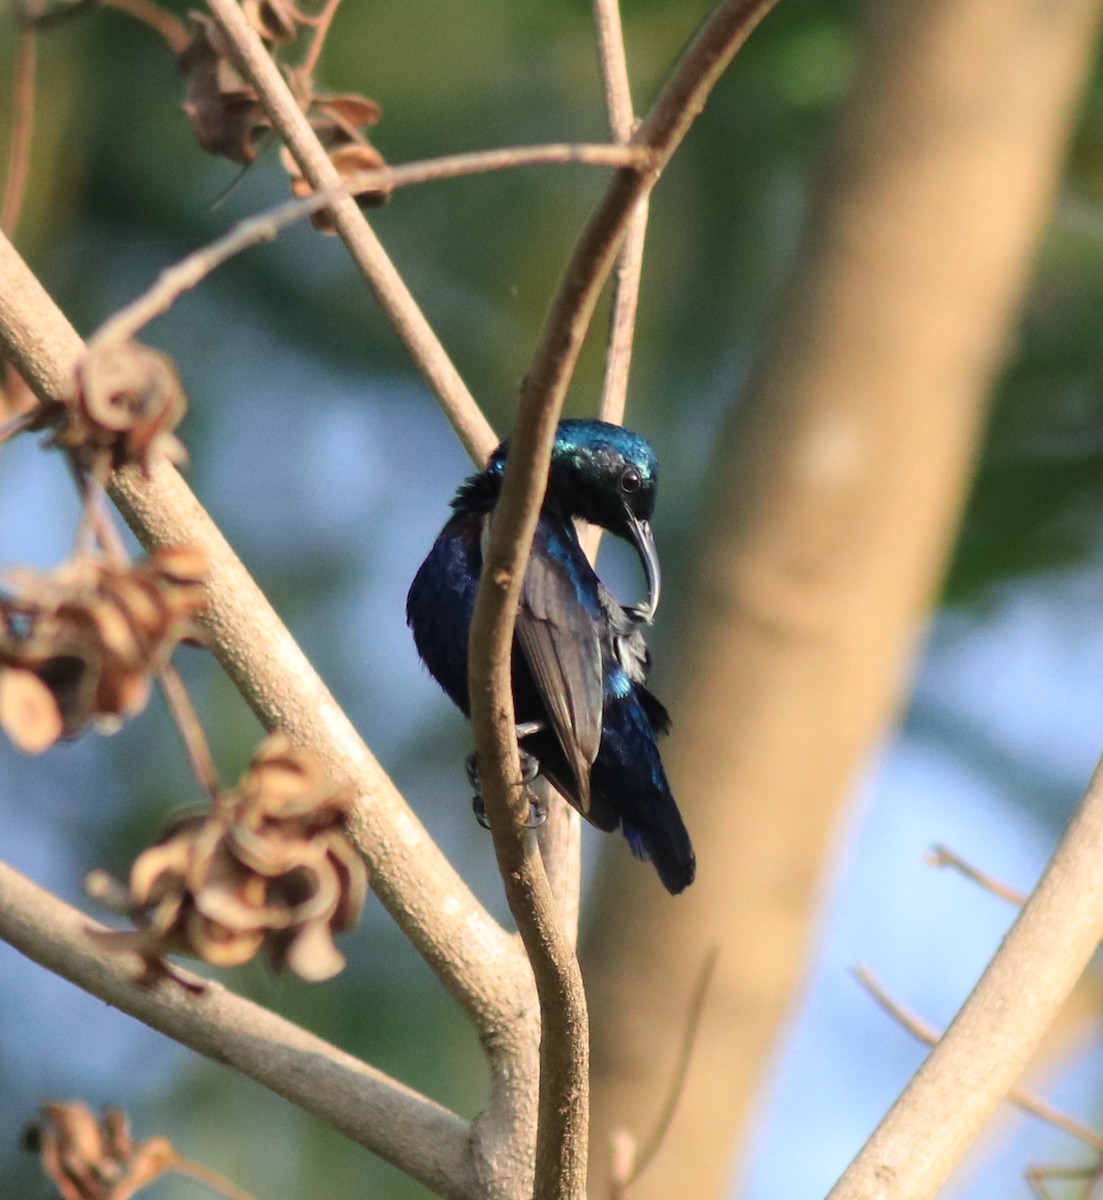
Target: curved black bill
[(649, 556)]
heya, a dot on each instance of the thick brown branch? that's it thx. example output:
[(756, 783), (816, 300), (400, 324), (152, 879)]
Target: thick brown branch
[(418, 1136)]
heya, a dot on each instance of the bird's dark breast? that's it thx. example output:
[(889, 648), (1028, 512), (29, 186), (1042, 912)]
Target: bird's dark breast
[(441, 602), (439, 609)]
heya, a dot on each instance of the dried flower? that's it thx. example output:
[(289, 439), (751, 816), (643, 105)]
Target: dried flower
[(99, 1160), (271, 866), (226, 114), (80, 645), (125, 403), (277, 21), (339, 122), (94, 1160)]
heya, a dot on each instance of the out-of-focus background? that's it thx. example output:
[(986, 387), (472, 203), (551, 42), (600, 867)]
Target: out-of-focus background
[(329, 468)]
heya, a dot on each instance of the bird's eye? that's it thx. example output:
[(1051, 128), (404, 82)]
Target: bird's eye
[(630, 481)]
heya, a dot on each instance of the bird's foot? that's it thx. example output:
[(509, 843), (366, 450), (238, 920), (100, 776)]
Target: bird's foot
[(530, 768)]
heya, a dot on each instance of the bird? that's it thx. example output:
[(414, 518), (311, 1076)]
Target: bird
[(586, 720)]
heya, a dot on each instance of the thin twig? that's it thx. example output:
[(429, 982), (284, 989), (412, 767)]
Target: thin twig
[(321, 26), (20, 134), (1035, 1177), (192, 270), (614, 68), (211, 1179), (942, 856), (186, 720), (622, 320), (172, 31), (629, 265), (422, 344), (96, 522), (1020, 1097), (677, 1083)]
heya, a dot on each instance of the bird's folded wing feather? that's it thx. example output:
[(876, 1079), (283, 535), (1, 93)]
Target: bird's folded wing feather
[(562, 647)]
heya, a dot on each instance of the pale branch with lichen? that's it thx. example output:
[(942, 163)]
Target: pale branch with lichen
[(988, 1044), (420, 1137), (476, 960)]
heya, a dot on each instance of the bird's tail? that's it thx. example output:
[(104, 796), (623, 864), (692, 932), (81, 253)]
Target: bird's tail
[(666, 843)]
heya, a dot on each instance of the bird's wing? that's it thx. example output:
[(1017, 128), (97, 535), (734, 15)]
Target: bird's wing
[(562, 646)]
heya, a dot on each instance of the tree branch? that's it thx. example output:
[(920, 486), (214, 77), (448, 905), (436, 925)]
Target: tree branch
[(190, 271), (477, 961), (19, 135), (422, 344), (992, 1038), (1020, 1097), (563, 1120), (410, 1131), (629, 265)]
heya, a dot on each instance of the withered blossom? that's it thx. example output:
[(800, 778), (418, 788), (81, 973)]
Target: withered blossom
[(81, 645), (339, 122), (271, 866), (124, 405), (94, 1159), (226, 114), (276, 21)]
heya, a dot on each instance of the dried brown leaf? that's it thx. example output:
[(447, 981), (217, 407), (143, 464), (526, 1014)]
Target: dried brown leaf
[(270, 866), (85, 1159), (93, 636), (99, 1160), (226, 115), (28, 711), (347, 111), (276, 21), (125, 403)]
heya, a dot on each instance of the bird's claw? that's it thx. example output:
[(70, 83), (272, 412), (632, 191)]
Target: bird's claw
[(530, 768), (538, 814)]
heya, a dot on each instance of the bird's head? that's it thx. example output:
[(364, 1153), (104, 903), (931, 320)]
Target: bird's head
[(606, 475)]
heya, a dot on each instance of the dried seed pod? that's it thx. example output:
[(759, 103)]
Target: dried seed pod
[(125, 404), (339, 122), (81, 645), (276, 21), (271, 866), (90, 1159), (227, 116)]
